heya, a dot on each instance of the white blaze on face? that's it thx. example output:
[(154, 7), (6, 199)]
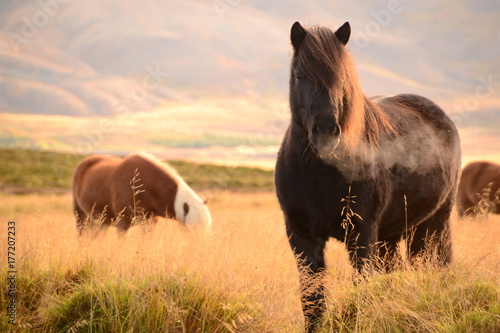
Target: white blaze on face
[(189, 208)]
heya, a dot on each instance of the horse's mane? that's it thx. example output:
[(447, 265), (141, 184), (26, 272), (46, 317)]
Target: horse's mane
[(168, 169), (161, 165), (325, 60)]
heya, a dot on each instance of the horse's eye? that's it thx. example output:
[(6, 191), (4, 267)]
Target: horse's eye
[(298, 75)]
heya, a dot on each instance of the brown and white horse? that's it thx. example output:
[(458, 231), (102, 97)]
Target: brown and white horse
[(102, 187)]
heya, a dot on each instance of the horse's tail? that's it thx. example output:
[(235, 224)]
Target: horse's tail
[(78, 174), (79, 216)]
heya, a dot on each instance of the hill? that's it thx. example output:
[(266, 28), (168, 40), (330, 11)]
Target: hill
[(25, 171)]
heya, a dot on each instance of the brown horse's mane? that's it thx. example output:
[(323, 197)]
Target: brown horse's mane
[(325, 60)]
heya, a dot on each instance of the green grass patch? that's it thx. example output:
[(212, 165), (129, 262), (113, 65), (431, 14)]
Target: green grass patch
[(210, 140), (208, 176), (87, 299), (36, 169), (32, 170), (428, 300)]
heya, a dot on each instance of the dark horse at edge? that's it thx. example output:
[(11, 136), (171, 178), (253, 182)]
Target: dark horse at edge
[(479, 189), (395, 159)]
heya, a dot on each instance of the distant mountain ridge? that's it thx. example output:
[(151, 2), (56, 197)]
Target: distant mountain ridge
[(99, 57)]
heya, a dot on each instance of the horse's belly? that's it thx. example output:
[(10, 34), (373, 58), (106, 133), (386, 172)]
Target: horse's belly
[(414, 198), (95, 199)]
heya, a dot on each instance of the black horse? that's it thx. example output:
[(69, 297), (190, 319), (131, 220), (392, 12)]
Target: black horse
[(368, 172)]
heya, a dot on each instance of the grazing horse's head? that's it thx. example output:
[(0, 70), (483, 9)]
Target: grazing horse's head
[(322, 83), (190, 209)]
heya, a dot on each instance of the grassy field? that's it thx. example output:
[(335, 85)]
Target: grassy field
[(239, 276)]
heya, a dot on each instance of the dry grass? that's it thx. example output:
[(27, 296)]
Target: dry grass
[(240, 276)]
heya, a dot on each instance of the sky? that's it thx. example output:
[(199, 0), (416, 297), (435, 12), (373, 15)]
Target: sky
[(109, 58), (76, 57)]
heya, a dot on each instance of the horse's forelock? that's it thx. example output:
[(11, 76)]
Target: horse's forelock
[(320, 58), (324, 59)]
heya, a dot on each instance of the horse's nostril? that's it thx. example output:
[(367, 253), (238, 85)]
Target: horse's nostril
[(329, 130), (336, 130)]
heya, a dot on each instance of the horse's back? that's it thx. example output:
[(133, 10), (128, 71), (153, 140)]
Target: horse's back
[(429, 135), (151, 172), (428, 111), (159, 186), (424, 136)]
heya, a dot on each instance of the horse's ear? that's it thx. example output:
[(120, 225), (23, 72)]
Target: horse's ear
[(343, 33), (297, 35)]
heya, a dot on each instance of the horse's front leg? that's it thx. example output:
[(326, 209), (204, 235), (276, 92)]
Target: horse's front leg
[(361, 245), (309, 254)]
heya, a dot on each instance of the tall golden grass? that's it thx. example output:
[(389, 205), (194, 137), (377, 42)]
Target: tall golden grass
[(240, 276)]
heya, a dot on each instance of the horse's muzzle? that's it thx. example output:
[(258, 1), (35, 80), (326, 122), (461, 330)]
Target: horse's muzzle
[(324, 138)]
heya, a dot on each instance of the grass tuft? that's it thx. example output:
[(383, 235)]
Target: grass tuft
[(416, 301)]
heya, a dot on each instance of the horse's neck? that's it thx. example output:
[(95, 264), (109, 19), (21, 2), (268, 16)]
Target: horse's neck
[(360, 161)]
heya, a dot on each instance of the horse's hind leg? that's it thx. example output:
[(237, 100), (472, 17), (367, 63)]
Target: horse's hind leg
[(433, 235), (310, 263), (362, 248), (106, 220), (123, 224)]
